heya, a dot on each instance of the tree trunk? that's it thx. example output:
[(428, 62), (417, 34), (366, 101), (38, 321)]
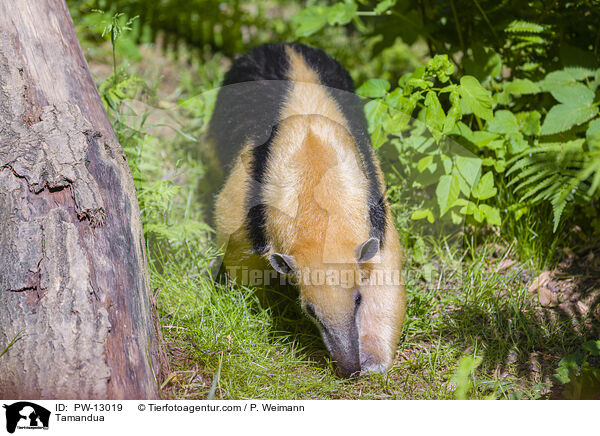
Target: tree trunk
[(73, 269)]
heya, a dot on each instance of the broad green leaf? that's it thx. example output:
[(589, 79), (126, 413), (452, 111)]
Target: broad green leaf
[(521, 86), (478, 215), (593, 134), (477, 97), (500, 165), (395, 98), (448, 88), (482, 139), (419, 251), (574, 94), (571, 361), (564, 116), (556, 79), (592, 347), (378, 138), (384, 6), (461, 129), (396, 122), (454, 113), (424, 163), (492, 214), (468, 208), (529, 122), (456, 218), (341, 13), (469, 168), (503, 98), (462, 183), (516, 143), (310, 20), (375, 110), (561, 376), (579, 73), (447, 192), (485, 188), (314, 18), (418, 83), (374, 88), (422, 213), (504, 122), (434, 116)]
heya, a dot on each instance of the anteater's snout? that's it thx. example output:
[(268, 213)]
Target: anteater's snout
[(348, 369), (344, 349)]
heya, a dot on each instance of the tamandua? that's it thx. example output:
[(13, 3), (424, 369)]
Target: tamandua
[(305, 196)]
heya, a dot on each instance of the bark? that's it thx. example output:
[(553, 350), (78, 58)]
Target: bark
[(73, 269)]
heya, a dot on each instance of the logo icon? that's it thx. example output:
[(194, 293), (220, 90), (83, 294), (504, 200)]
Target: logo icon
[(26, 415)]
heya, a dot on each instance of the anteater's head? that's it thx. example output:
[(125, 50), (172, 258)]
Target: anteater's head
[(357, 305)]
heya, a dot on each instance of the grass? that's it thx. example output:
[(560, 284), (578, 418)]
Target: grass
[(472, 330), (265, 348)]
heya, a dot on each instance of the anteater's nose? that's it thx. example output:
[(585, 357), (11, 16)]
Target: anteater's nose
[(348, 369)]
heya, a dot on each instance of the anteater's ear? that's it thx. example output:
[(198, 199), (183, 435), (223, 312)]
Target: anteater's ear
[(367, 250), (282, 263)]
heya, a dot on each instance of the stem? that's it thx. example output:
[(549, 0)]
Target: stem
[(479, 123), (424, 20), (114, 55), (485, 17), (458, 30)]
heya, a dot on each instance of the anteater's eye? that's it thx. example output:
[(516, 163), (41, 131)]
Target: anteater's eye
[(311, 310), (357, 298)]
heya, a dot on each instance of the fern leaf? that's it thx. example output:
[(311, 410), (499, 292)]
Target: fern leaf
[(520, 26), (539, 189), (559, 201)]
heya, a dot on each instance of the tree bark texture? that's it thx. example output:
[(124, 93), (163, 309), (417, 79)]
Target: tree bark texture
[(73, 269)]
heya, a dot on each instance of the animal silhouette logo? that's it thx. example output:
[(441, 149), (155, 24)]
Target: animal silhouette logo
[(26, 415)]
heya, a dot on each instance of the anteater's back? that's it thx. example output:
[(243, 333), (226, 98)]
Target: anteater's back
[(256, 96)]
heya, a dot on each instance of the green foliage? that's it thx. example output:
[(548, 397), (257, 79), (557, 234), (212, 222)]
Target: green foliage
[(463, 378), (430, 158), (581, 379), (313, 19), (511, 125), (204, 26), (168, 218)]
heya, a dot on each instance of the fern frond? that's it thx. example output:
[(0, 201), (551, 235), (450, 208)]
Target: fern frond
[(540, 170), (520, 26), (558, 173), (551, 181), (559, 201)]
